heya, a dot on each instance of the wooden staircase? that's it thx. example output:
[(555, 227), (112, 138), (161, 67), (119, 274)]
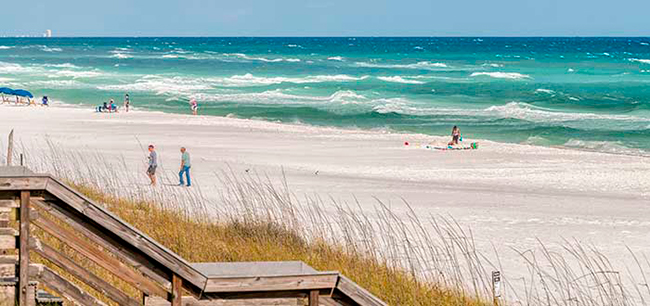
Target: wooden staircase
[(161, 276)]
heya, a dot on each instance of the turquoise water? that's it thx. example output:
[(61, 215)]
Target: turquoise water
[(589, 93)]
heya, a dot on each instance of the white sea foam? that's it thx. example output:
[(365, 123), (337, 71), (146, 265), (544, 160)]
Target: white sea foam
[(335, 58), (121, 55), (640, 60), (251, 80), (399, 79), (263, 59), (570, 70), (494, 65), (525, 111), (644, 44), (56, 84), (419, 65), (280, 97), (502, 75), (64, 65), (546, 91), (6, 47), (17, 68), (77, 74), (161, 85), (48, 49)]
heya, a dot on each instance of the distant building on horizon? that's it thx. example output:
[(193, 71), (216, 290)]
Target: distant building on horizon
[(48, 33)]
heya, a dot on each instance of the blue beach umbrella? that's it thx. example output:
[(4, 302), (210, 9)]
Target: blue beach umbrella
[(23, 93), (6, 91)]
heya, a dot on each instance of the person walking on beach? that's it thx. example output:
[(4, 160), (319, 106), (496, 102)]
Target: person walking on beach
[(45, 101), (194, 106), (127, 102), (185, 167), (455, 136), (153, 164)]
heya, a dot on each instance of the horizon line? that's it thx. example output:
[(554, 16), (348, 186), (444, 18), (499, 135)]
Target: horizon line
[(342, 36)]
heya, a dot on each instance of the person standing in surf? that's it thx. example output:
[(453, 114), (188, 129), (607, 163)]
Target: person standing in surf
[(455, 136), (127, 102), (194, 106), (153, 164)]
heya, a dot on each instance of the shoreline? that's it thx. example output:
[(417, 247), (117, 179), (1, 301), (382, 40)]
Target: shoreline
[(361, 130)]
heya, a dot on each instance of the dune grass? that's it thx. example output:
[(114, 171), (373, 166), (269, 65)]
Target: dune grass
[(258, 240)]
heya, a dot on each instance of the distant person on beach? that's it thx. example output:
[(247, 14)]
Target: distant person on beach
[(185, 167), (194, 106), (153, 164), (45, 101), (102, 108), (455, 136), (127, 102)]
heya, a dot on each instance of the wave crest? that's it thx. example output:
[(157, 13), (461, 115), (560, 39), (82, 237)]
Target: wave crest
[(502, 75)]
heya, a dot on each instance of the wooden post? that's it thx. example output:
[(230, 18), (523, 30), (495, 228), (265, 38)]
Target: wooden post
[(177, 292), (23, 279), (10, 148), (313, 297)]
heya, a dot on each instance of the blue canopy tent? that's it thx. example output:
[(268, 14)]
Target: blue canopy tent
[(23, 93), (6, 91)]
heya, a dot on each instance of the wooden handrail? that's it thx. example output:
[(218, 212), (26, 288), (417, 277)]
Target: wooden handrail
[(81, 273), (107, 262)]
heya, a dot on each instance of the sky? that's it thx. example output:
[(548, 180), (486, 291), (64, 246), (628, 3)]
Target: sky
[(327, 17)]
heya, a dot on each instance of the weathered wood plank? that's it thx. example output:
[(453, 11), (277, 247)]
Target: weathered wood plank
[(313, 298), (63, 287), (191, 301), (107, 262), (177, 290), (272, 283), (23, 183), (8, 259), (12, 203), (108, 242), (8, 270), (81, 273), (131, 235), (358, 294), (7, 231), (23, 278), (8, 242)]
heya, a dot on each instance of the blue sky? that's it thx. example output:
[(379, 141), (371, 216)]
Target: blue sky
[(327, 17)]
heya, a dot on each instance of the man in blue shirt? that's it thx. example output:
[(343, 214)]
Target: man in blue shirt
[(185, 167)]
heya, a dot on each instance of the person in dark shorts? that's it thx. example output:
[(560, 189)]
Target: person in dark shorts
[(127, 102), (455, 136), (153, 164)]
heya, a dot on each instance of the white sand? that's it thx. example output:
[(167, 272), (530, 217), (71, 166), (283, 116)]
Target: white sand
[(508, 194)]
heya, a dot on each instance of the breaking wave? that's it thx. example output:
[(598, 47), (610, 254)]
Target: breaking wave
[(398, 79), (502, 75), (419, 65), (640, 60), (262, 59), (527, 112)]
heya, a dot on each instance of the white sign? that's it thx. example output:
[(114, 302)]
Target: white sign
[(496, 283)]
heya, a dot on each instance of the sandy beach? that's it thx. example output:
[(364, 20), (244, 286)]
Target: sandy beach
[(509, 194)]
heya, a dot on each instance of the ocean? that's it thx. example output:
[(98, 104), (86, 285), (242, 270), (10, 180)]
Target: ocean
[(586, 93)]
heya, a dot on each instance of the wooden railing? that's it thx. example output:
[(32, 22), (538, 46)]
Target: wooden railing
[(84, 246)]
